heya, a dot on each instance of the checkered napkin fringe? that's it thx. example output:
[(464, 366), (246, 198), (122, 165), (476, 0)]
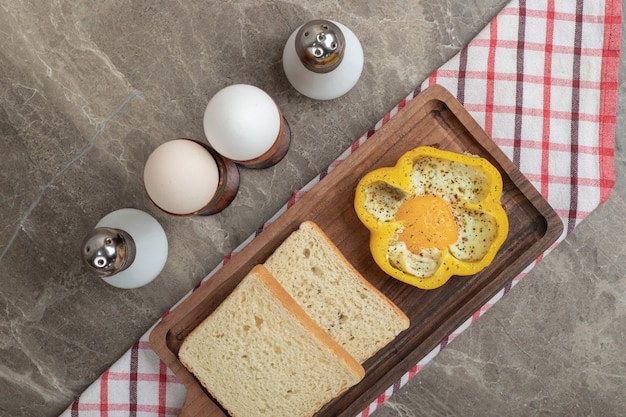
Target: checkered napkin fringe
[(541, 79)]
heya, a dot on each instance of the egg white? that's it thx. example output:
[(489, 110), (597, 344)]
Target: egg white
[(454, 181), (383, 200), (477, 230), (421, 265)]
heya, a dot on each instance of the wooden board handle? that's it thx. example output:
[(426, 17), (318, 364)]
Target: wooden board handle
[(197, 404)]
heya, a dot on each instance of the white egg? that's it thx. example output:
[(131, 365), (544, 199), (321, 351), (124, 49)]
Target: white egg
[(242, 122), (181, 176)]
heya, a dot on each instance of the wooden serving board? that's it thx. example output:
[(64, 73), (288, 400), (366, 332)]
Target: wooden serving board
[(434, 118)]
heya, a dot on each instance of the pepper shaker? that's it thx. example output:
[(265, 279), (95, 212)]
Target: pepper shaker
[(127, 248)]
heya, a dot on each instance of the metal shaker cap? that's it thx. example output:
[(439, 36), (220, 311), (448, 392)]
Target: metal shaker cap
[(108, 251), (320, 45)]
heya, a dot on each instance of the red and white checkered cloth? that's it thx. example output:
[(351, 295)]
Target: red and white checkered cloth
[(542, 80)]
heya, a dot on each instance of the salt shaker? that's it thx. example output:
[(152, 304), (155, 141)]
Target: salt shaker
[(323, 59)]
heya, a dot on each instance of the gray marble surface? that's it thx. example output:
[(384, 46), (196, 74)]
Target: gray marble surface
[(89, 88)]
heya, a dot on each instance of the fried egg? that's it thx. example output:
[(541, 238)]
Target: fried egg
[(435, 216)]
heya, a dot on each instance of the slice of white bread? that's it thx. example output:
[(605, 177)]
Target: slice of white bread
[(317, 275), (260, 354)]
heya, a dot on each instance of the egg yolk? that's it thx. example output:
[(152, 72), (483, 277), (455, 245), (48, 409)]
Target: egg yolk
[(428, 223)]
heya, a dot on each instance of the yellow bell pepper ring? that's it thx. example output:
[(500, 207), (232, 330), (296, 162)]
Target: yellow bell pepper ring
[(433, 215)]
